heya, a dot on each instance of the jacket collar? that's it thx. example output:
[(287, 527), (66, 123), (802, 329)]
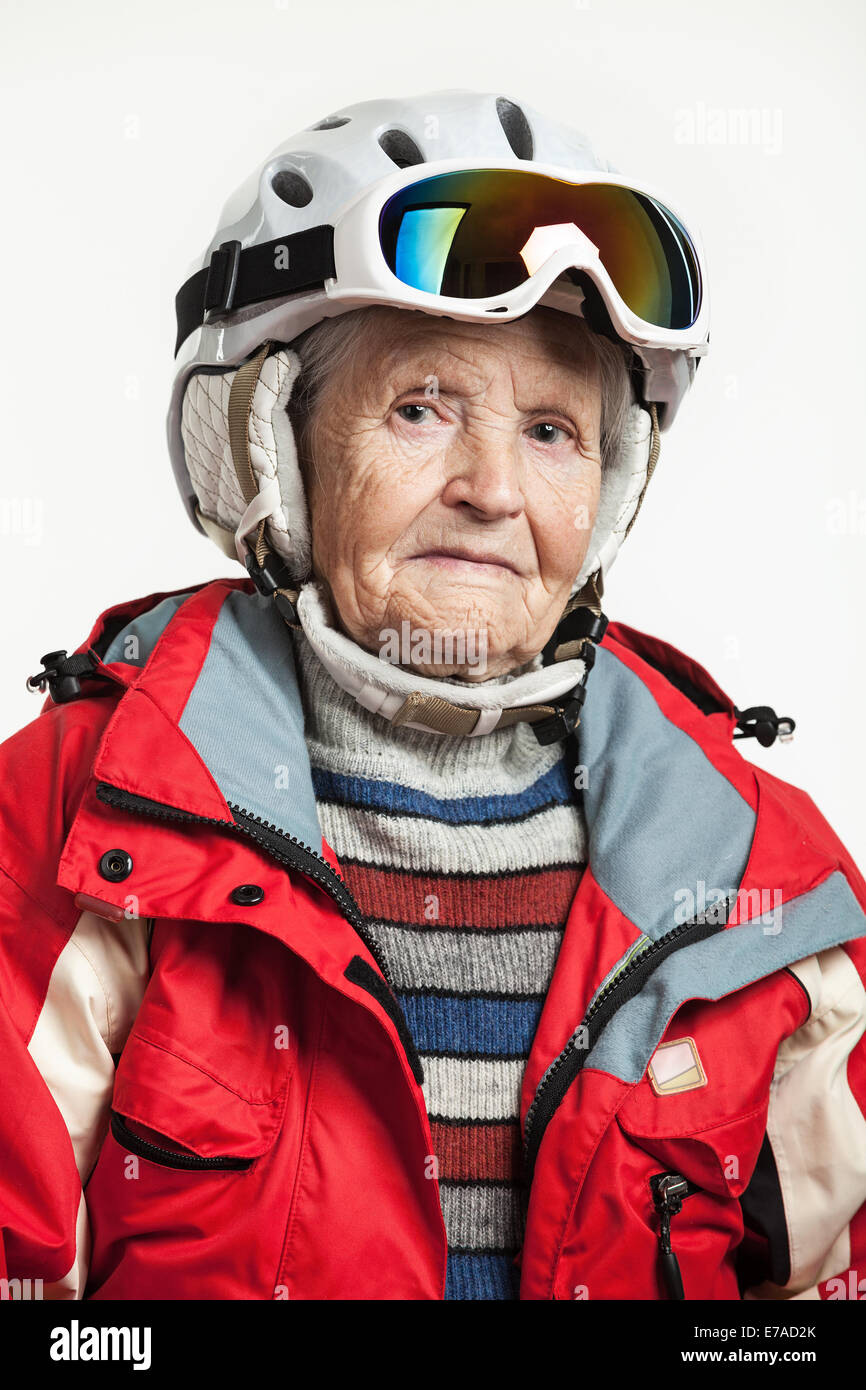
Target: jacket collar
[(212, 671), (676, 818)]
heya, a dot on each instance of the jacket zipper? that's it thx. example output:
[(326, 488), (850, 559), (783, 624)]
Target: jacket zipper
[(168, 1158), (669, 1191), (563, 1069), (288, 850)]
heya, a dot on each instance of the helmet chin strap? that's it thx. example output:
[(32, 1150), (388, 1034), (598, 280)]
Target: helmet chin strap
[(548, 697)]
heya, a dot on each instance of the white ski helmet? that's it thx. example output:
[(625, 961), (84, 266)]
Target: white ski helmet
[(277, 266)]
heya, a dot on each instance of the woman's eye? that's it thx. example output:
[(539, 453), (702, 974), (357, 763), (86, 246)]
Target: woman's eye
[(405, 411), (548, 432)]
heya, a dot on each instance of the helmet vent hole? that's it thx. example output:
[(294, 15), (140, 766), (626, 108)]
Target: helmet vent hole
[(292, 187), (330, 123), (518, 132), (400, 148)]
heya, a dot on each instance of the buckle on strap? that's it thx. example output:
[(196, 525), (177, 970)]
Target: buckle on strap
[(582, 627), (567, 717), (272, 580), (576, 636), (222, 280)]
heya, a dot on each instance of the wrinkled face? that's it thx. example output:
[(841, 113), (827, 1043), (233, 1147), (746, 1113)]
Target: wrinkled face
[(454, 483)]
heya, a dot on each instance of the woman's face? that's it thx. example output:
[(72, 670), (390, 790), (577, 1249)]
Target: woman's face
[(454, 484)]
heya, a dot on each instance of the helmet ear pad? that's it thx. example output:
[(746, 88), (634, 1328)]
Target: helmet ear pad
[(622, 484), (274, 457)]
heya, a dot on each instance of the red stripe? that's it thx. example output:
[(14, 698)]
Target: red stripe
[(467, 1153), (539, 898)]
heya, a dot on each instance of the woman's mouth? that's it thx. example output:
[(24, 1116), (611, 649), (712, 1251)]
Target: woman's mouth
[(448, 558)]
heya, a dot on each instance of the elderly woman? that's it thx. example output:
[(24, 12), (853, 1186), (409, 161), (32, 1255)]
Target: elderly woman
[(385, 925)]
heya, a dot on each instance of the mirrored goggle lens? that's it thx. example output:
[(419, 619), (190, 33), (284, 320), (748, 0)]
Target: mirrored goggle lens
[(478, 233)]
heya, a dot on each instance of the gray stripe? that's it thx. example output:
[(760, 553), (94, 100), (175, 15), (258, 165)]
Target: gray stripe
[(661, 817), (482, 1218), (552, 837), (459, 1089), (823, 917), (135, 643), (244, 717), (500, 961)]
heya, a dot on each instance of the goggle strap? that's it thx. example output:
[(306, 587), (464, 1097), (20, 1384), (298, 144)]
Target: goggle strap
[(235, 277)]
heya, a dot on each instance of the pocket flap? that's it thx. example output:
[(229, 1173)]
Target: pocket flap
[(177, 1097), (715, 1063)]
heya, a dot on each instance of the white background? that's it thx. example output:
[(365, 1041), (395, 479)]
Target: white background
[(125, 126)]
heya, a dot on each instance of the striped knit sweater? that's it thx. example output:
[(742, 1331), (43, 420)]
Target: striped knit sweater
[(464, 856)]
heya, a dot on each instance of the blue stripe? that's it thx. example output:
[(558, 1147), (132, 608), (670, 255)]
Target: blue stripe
[(481, 1277), (368, 794), (467, 1024)]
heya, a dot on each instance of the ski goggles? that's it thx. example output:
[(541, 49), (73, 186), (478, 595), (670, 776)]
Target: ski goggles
[(480, 241), (474, 242), (480, 233)]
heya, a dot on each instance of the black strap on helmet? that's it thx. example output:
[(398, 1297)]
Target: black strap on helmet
[(236, 277)]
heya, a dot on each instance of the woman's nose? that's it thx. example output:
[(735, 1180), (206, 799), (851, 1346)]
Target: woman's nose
[(485, 473)]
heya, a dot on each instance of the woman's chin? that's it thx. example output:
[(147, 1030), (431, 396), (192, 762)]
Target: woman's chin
[(464, 645)]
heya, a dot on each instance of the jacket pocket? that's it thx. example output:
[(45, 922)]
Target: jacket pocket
[(714, 1143), (195, 1120), (176, 1157), (701, 1105)]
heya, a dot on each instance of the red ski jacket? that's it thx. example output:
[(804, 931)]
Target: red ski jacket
[(210, 1092)]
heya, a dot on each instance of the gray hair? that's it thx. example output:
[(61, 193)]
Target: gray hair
[(327, 349)]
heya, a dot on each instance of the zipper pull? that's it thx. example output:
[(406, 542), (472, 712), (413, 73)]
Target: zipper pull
[(668, 1190)]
